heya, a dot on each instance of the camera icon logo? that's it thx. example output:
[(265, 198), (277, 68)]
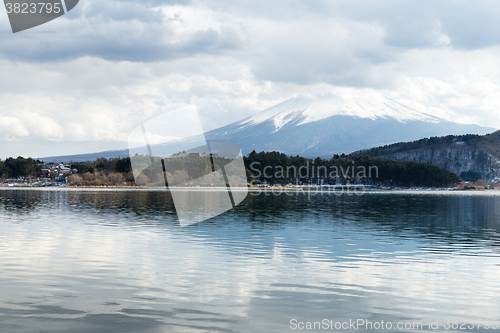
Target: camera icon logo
[(27, 14), (205, 179)]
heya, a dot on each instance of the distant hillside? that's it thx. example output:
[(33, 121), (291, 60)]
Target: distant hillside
[(86, 157), (470, 156)]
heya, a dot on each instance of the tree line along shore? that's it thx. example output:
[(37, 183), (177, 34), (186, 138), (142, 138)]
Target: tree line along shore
[(264, 168)]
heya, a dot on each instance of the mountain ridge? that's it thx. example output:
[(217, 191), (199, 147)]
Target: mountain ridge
[(464, 154)]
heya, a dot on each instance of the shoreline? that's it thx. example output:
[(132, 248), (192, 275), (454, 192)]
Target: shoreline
[(329, 188)]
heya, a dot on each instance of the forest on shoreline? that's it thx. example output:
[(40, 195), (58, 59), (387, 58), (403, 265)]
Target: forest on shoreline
[(272, 168), (343, 169)]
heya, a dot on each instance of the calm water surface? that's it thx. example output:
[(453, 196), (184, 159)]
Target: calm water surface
[(118, 261)]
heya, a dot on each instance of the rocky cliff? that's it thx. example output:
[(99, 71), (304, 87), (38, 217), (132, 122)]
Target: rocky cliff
[(469, 156)]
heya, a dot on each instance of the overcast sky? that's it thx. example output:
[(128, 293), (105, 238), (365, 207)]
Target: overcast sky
[(83, 82)]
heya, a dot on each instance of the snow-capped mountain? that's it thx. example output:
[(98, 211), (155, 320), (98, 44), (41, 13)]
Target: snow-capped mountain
[(312, 128), (337, 125)]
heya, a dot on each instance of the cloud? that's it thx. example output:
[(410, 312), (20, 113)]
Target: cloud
[(121, 31), (11, 128), (94, 74)]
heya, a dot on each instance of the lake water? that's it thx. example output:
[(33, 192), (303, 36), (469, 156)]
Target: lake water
[(118, 261)]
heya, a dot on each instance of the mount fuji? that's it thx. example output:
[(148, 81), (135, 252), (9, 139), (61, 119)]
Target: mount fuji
[(321, 128), (311, 128)]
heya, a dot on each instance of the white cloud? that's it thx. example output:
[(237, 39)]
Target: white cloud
[(11, 128), (110, 66)]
